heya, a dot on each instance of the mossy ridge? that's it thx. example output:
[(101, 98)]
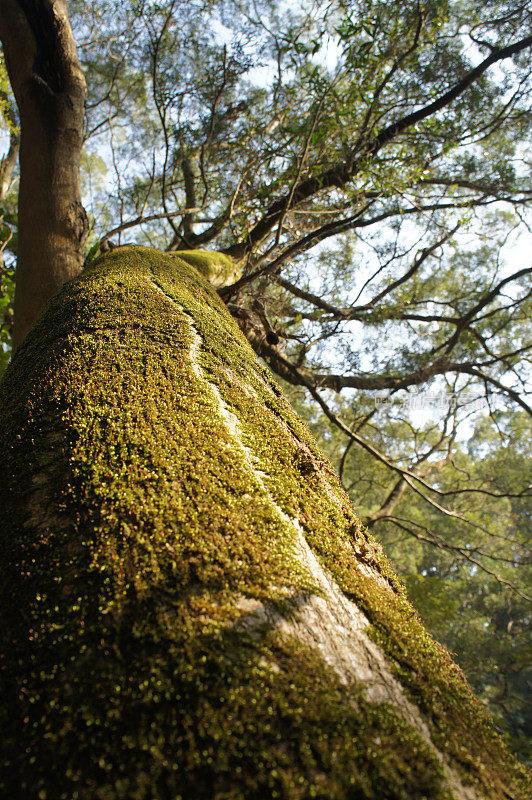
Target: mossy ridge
[(116, 455), (118, 622), (120, 313), (459, 725), (216, 717)]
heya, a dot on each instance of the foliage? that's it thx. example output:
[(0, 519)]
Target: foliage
[(469, 576), (476, 613)]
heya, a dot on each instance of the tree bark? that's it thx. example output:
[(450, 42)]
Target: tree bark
[(49, 88), (190, 607)]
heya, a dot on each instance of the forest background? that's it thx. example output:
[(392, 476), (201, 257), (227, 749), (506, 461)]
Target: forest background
[(366, 164)]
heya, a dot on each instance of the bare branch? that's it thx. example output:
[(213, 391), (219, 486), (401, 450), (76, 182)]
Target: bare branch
[(341, 173), (463, 552)]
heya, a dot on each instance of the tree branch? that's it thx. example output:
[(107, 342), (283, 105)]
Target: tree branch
[(341, 173)]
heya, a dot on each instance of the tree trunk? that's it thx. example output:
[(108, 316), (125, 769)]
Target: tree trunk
[(8, 162), (190, 606), (49, 87)]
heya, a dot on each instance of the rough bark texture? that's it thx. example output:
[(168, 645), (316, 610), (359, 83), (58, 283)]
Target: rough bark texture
[(49, 88), (190, 607)]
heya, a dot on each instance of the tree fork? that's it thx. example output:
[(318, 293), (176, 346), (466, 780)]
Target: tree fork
[(49, 88)]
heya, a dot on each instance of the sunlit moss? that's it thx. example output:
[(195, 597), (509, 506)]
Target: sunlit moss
[(131, 522)]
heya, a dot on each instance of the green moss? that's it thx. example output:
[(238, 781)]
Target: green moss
[(131, 521), (217, 268)]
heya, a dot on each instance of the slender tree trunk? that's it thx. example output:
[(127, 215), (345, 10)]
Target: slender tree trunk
[(190, 607), (8, 162), (49, 87)]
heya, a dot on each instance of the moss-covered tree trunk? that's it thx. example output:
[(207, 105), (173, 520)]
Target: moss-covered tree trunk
[(190, 608)]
